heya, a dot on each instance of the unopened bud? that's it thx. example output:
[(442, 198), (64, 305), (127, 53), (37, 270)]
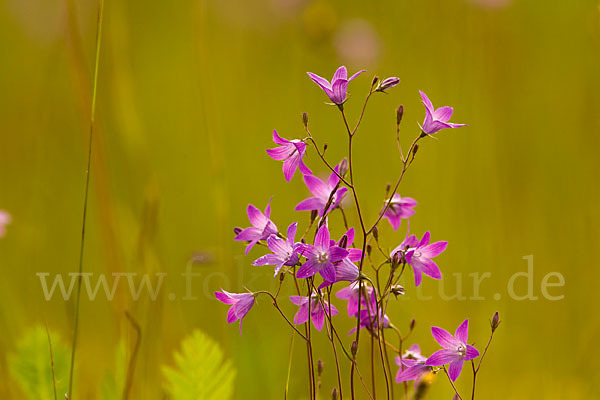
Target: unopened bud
[(376, 233), (354, 348), (495, 321), (305, 119), (344, 242), (281, 277), (397, 290), (388, 187), (415, 149), (324, 147), (334, 394), (412, 324), (388, 83), (344, 166), (374, 82), (369, 249), (399, 114), (237, 230), (319, 367)]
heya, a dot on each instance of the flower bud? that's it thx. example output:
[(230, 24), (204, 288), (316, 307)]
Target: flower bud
[(376, 233), (354, 349), (399, 114), (397, 290), (319, 367), (388, 83), (375, 80), (344, 166), (495, 321), (412, 324), (305, 119), (237, 230), (344, 242), (281, 277), (334, 394), (415, 149), (324, 147), (369, 249)]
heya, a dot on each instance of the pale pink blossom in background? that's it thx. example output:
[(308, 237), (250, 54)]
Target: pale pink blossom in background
[(5, 219), (357, 43)]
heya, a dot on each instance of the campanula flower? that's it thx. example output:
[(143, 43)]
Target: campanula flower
[(418, 255), (412, 365), (284, 251), (5, 219), (371, 318), (262, 227), (317, 312), (350, 293), (321, 192), (456, 350), (241, 303), (346, 270), (337, 89), (321, 256), (399, 208), (291, 152), (436, 120)]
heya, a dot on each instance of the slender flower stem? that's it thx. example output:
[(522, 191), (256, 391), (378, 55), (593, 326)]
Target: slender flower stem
[(451, 383), (51, 362), (287, 380), (85, 200), (476, 370), (281, 312), (337, 363), (133, 359)]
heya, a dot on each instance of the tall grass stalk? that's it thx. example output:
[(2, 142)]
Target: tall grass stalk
[(85, 201)]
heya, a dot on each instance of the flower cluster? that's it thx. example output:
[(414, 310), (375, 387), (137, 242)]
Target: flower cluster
[(316, 262)]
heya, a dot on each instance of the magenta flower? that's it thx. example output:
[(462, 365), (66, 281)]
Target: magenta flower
[(317, 312), (350, 293), (338, 88), (418, 255), (436, 120), (241, 303), (262, 227), (456, 350), (5, 219), (345, 270), (371, 318), (321, 256), (399, 208), (321, 192), (412, 365), (291, 152), (284, 251)]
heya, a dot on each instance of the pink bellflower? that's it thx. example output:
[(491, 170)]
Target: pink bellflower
[(291, 153), (240, 303), (337, 89), (455, 349), (321, 256), (412, 365), (262, 227), (321, 192), (284, 251), (436, 120), (317, 312), (399, 208), (418, 255)]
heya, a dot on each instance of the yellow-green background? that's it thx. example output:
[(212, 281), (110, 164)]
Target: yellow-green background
[(188, 95)]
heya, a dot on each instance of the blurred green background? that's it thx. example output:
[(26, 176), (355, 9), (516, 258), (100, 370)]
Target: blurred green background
[(188, 95)]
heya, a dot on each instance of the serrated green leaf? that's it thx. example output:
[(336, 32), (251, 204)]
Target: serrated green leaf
[(30, 366), (201, 371)]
